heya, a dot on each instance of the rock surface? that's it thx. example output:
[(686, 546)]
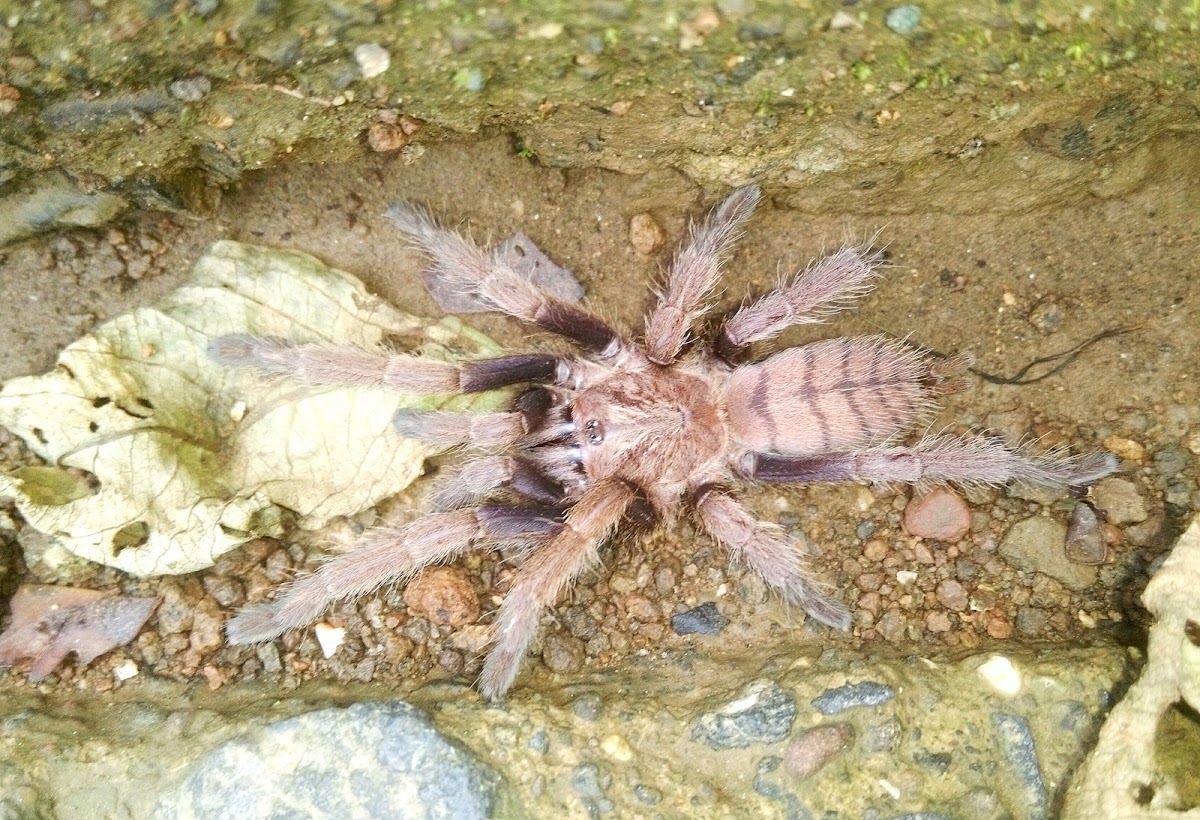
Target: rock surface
[(377, 760), (1038, 544)]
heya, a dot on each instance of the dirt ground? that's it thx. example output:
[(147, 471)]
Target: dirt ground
[(1008, 288)]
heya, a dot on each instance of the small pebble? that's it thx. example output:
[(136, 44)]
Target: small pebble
[(1085, 536), (268, 655), (444, 595), (1001, 674), (937, 622), (1037, 544), (809, 751), (853, 695), (1017, 745), (940, 515), (329, 638), (763, 712), (903, 19), (1171, 461), (1031, 621), (645, 234), (703, 620), (641, 608), (383, 138), (893, 626), (373, 59), (1047, 315), (950, 594), (1126, 448), (617, 748), (191, 89), (469, 79), (843, 21), (563, 653), (1120, 501), (587, 707), (647, 795), (207, 626)]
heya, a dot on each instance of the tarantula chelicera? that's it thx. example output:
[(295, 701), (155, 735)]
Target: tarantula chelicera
[(638, 429)]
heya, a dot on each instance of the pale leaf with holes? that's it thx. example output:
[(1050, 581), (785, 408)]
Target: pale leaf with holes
[(158, 459)]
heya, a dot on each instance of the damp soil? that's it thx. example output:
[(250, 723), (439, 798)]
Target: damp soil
[(1009, 287)]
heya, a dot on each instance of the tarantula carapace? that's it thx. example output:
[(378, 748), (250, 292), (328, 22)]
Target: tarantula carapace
[(638, 430)]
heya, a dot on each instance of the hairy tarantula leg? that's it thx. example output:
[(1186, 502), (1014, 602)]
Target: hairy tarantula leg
[(694, 274), (386, 555), (936, 459), (329, 364), (543, 576), (823, 288), (766, 549), (480, 478), (451, 429), (461, 267)]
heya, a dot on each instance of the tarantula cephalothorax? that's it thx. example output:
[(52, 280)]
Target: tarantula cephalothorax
[(638, 430)]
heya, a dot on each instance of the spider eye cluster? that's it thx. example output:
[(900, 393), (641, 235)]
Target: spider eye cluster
[(594, 431)]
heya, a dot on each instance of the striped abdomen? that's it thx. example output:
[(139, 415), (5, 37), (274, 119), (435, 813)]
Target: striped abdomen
[(829, 396)]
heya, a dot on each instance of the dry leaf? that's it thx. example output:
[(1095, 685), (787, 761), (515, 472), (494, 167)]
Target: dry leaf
[(50, 622), (188, 459)]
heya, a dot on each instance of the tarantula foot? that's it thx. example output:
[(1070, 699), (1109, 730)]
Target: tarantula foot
[(829, 612), (1090, 468), (255, 623), (246, 350)]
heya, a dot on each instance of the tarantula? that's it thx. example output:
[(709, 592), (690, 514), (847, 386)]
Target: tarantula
[(638, 430)]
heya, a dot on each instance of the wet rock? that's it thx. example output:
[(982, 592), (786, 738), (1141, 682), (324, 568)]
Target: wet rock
[(762, 713), (1015, 742), (940, 515), (87, 115), (52, 202), (371, 760), (809, 751), (1085, 537), (18, 796), (852, 696), (1120, 501), (563, 653), (703, 620), (590, 783), (444, 595), (1038, 545)]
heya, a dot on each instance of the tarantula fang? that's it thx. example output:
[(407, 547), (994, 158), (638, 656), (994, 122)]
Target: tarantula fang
[(637, 429)]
